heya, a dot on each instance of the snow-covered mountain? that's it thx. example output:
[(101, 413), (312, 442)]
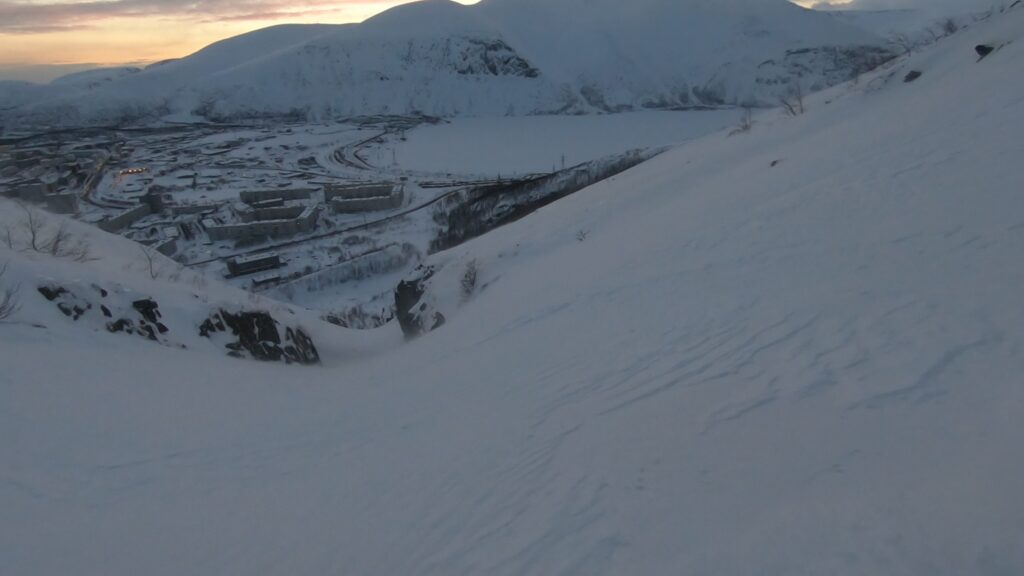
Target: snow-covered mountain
[(17, 93), (794, 350), (96, 77), (497, 57)]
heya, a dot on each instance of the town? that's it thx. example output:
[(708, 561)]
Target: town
[(287, 210)]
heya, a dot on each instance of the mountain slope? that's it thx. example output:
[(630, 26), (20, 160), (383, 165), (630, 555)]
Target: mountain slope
[(85, 283), (793, 351), (496, 57)]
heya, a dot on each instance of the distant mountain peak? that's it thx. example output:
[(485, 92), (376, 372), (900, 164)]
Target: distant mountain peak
[(496, 57)]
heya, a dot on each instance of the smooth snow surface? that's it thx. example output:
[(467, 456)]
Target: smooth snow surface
[(534, 144), (807, 368)]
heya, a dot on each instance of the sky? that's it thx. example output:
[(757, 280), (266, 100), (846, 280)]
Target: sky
[(43, 39), (930, 5)]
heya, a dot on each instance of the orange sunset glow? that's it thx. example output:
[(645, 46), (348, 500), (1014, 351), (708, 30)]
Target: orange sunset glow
[(61, 33)]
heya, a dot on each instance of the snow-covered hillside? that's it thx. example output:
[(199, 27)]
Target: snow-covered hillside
[(16, 93), (796, 350), (497, 57), (69, 277), (95, 78)]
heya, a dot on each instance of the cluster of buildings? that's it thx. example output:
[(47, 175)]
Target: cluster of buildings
[(363, 197), (287, 212), (261, 264), (59, 177), (265, 223), (257, 215), (51, 176)]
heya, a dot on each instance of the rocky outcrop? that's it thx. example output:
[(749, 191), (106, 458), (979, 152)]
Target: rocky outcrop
[(256, 334), (243, 334), (487, 57), (416, 316), (68, 303), (142, 319), (476, 211)]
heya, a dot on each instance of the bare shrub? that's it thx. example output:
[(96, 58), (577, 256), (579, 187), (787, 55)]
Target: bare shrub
[(79, 251), (745, 123), (9, 303), (33, 226), (950, 27), (793, 101), (469, 278), (903, 43), (57, 242), (179, 270), (33, 234), (581, 235)]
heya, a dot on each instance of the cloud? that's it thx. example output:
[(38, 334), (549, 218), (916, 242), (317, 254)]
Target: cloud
[(30, 17), (930, 5)]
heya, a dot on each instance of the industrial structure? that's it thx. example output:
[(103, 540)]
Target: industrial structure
[(244, 265), (256, 229), (363, 197)]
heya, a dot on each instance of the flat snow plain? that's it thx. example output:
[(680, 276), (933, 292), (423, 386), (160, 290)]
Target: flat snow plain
[(534, 144)]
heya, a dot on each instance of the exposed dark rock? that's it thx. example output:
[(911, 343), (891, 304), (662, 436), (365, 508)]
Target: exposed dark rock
[(479, 210), (492, 58), (75, 302), (252, 334), (257, 334), (911, 76), (983, 50), (358, 318), (593, 96), (207, 328), (148, 308), (51, 291), (408, 308), (302, 350), (439, 321), (71, 311), (121, 325), (711, 94), (148, 332)]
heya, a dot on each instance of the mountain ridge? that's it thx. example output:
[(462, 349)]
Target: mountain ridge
[(585, 57)]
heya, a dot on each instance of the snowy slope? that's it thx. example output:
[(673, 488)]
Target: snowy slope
[(95, 77), (497, 57), (16, 93), (806, 368), (918, 25), (99, 285)]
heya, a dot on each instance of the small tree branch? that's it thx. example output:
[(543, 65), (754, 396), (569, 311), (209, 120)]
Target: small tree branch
[(9, 304)]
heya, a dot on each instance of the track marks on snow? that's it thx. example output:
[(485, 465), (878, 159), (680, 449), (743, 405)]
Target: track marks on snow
[(929, 385), (727, 356)]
